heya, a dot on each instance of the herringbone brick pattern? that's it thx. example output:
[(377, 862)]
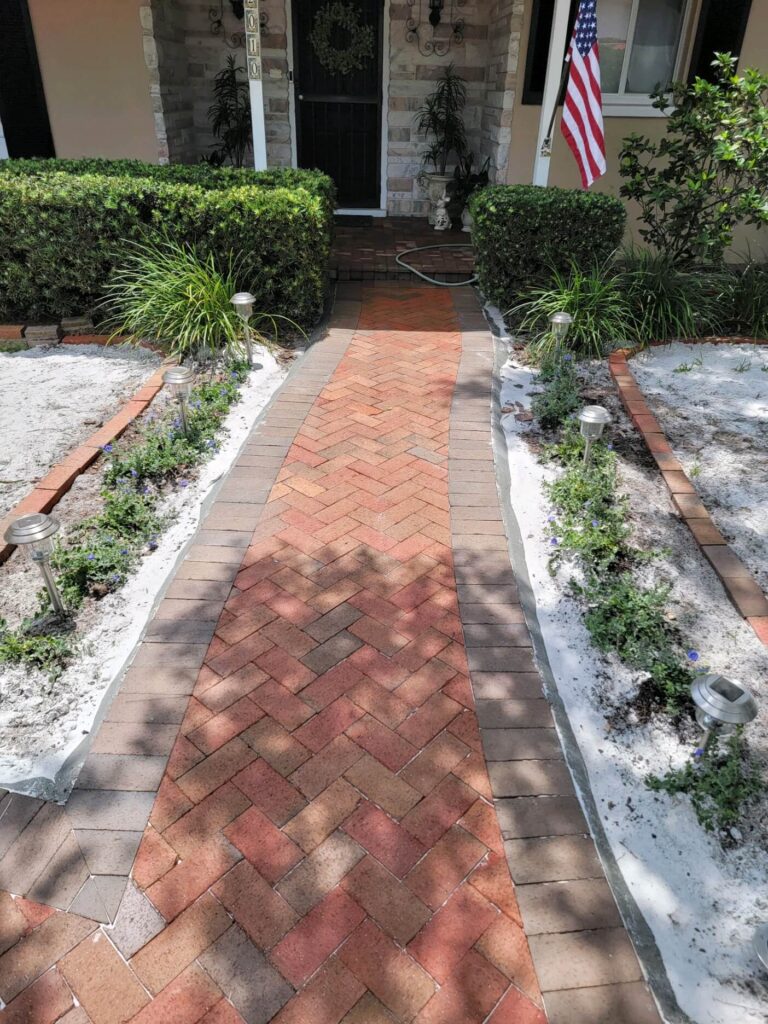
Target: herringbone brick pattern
[(323, 847)]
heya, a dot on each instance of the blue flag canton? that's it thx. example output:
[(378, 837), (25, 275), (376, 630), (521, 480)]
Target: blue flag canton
[(585, 35)]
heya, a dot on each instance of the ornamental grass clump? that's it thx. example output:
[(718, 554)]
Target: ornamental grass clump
[(170, 293), (602, 317)]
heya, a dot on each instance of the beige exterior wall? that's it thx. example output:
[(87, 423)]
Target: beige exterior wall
[(563, 171), (95, 77)]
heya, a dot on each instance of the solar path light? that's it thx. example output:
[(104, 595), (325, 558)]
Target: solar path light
[(34, 533), (592, 423), (559, 325), (179, 380), (721, 705), (243, 303)]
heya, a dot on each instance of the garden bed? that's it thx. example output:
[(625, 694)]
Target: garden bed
[(44, 721), (53, 400), (699, 895), (712, 403)]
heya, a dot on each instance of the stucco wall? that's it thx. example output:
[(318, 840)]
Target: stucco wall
[(95, 77)]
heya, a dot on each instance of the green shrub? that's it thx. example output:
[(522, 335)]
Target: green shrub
[(62, 233), (165, 291), (709, 171), (593, 296), (521, 232), (720, 782), (47, 652), (744, 303), (560, 396)]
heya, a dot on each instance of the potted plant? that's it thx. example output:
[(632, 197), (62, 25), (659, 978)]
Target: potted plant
[(466, 181), (440, 120)]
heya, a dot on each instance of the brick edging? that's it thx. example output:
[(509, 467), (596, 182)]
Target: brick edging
[(48, 491), (740, 586)]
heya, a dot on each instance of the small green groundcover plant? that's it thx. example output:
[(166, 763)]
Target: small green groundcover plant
[(629, 619), (100, 553)]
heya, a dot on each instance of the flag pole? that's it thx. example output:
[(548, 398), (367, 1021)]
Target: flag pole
[(553, 85)]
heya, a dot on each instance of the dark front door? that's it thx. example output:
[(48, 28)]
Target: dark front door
[(338, 116), (23, 111)]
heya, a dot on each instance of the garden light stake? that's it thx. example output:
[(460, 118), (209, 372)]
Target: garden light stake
[(592, 423), (34, 533), (760, 944), (560, 324), (243, 303), (179, 380)]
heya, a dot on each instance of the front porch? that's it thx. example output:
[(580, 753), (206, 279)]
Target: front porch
[(365, 249)]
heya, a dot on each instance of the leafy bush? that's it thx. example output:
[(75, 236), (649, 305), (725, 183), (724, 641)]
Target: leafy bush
[(61, 234), (522, 232), (720, 783), (560, 396), (595, 298), (167, 292), (668, 302), (709, 171), (47, 652), (230, 114), (440, 120)]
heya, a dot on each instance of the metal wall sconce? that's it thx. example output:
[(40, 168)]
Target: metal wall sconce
[(179, 380), (430, 43), (243, 303), (593, 420), (721, 705), (216, 18), (559, 325), (34, 533)]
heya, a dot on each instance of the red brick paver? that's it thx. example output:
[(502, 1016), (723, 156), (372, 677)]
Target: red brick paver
[(315, 845)]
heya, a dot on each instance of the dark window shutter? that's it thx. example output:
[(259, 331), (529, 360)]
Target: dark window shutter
[(22, 101), (538, 47), (721, 28)]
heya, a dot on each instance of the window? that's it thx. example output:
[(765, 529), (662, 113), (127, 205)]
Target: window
[(641, 45)]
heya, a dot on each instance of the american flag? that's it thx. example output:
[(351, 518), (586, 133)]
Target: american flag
[(582, 123)]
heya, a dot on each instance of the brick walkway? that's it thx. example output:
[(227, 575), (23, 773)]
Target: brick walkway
[(324, 846)]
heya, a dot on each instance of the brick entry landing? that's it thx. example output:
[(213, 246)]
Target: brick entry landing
[(324, 846), (364, 249)]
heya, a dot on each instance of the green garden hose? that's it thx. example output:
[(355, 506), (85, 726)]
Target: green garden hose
[(425, 277)]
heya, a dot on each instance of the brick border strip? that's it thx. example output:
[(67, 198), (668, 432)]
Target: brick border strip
[(740, 586), (78, 856), (49, 491), (587, 967)]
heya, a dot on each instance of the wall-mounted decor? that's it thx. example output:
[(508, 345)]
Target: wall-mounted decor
[(433, 28), (233, 40), (341, 19)]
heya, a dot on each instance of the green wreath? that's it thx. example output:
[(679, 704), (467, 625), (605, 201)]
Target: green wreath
[(360, 48)]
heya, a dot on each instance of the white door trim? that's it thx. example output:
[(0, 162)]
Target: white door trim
[(385, 63)]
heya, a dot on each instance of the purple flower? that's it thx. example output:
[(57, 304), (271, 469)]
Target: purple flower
[(124, 551), (567, 358), (134, 474), (106, 447), (698, 752), (595, 522), (91, 557), (152, 545), (693, 655), (609, 446), (551, 519), (183, 483), (116, 578), (554, 541)]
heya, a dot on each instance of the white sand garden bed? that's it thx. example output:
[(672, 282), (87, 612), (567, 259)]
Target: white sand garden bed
[(701, 902), (712, 403), (53, 399), (42, 724)]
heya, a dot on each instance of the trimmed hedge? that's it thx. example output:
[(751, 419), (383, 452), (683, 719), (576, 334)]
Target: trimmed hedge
[(61, 231), (522, 232)]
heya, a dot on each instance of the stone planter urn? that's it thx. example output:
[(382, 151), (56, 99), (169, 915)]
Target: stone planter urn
[(436, 186)]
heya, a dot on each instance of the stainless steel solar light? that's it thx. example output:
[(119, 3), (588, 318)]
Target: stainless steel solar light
[(721, 705), (34, 533), (243, 303), (760, 944), (179, 381), (560, 324), (592, 423)]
